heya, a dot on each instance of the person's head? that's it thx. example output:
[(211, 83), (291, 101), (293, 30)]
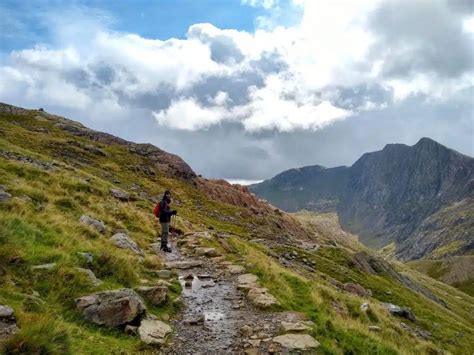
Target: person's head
[(167, 195)]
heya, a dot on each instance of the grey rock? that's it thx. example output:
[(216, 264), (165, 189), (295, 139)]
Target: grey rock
[(374, 328), (111, 308), (156, 295), (153, 332), (122, 240), (8, 325), (120, 194), (5, 196), (296, 341), (90, 274), (98, 225), (399, 311)]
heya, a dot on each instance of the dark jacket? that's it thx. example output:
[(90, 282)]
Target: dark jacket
[(165, 211)]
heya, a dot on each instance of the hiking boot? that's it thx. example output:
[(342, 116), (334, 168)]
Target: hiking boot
[(166, 249)]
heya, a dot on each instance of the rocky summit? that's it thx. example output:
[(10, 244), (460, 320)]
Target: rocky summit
[(81, 270)]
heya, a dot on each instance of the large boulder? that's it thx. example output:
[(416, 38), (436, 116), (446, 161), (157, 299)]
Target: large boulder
[(7, 322), (112, 308), (121, 240), (153, 332), (98, 225), (156, 295), (296, 341)]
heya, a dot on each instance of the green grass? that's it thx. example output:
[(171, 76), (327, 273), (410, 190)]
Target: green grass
[(40, 224)]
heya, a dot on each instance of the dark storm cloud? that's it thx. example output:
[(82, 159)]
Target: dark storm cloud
[(422, 37)]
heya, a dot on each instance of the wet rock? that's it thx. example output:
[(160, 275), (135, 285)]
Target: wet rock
[(92, 278), (356, 289), (111, 308), (120, 194), (4, 196), (156, 295), (188, 277), (47, 267), (153, 332), (399, 311), (98, 225), (122, 240), (235, 269), (261, 298), (287, 327), (186, 264), (195, 319), (296, 341), (8, 325)]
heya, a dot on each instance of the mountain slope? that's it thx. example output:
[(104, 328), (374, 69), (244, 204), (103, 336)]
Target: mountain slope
[(396, 195), (54, 171)]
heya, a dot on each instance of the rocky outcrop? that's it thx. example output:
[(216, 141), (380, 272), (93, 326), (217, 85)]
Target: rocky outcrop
[(8, 325), (98, 225), (111, 308)]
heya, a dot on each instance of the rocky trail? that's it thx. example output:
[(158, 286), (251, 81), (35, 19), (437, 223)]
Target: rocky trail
[(220, 315)]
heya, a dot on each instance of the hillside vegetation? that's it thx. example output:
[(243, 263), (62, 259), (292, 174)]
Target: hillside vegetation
[(53, 171)]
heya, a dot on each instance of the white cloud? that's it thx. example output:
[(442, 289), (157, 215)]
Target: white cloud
[(283, 78), (187, 114)]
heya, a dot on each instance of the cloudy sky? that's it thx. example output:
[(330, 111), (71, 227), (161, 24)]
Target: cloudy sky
[(245, 89)]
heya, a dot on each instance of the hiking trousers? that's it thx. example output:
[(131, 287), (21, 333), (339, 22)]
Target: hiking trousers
[(165, 231)]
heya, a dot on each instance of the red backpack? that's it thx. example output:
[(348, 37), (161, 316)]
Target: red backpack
[(156, 210)]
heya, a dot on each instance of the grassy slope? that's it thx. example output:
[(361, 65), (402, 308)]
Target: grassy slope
[(43, 227)]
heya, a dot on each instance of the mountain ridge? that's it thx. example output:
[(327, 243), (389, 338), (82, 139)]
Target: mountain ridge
[(385, 195)]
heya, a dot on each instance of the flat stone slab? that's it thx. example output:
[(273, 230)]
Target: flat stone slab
[(296, 341), (295, 327), (260, 297), (247, 279), (183, 264), (235, 269)]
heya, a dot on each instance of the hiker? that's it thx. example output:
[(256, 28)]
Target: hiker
[(165, 214)]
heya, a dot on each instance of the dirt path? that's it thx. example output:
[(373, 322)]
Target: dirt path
[(217, 318)]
